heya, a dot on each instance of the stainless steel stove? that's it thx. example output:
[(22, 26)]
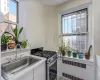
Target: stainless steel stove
[(51, 63)]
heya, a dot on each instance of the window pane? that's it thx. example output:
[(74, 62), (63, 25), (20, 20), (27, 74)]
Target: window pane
[(9, 9), (75, 22), (76, 42), (69, 25), (13, 11), (74, 25)]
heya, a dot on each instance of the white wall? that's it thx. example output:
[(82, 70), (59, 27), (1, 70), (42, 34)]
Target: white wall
[(51, 30), (96, 32), (71, 4), (40, 22), (30, 17), (96, 25)]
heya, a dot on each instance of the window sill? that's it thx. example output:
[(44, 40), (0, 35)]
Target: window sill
[(84, 61)]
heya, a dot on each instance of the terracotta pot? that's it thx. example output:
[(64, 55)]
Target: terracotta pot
[(87, 56), (63, 53), (11, 45)]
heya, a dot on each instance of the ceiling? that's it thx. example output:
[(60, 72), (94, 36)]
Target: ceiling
[(53, 2)]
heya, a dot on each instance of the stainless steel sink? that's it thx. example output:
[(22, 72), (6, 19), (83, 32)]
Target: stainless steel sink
[(18, 65)]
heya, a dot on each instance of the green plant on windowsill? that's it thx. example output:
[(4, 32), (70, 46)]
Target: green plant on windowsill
[(69, 51), (4, 41), (24, 43), (16, 33), (62, 49)]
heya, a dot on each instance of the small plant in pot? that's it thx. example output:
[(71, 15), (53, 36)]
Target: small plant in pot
[(62, 50), (24, 43), (69, 51), (16, 34), (11, 44), (4, 41), (80, 55), (75, 53), (87, 55)]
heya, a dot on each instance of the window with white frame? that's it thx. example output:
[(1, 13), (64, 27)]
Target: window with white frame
[(12, 10), (74, 30), (10, 13)]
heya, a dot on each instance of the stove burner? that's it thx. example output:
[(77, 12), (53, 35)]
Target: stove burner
[(46, 54)]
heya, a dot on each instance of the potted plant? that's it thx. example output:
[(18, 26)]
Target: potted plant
[(4, 41), (69, 51), (62, 50), (16, 34), (11, 44), (24, 43), (87, 55), (80, 55), (75, 53)]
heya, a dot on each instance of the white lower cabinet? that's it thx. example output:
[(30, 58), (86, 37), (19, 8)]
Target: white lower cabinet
[(29, 76), (40, 72), (26, 76)]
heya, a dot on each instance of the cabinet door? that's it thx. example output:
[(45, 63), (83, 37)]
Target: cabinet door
[(40, 72), (26, 76)]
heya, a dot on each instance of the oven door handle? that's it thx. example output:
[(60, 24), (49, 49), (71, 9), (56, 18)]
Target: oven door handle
[(52, 63)]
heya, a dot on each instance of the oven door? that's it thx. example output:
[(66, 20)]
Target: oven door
[(53, 70)]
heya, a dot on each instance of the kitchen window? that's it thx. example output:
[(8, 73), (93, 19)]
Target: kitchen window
[(75, 30), (10, 12)]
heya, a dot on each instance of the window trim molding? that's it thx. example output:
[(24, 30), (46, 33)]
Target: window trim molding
[(70, 10), (90, 30)]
